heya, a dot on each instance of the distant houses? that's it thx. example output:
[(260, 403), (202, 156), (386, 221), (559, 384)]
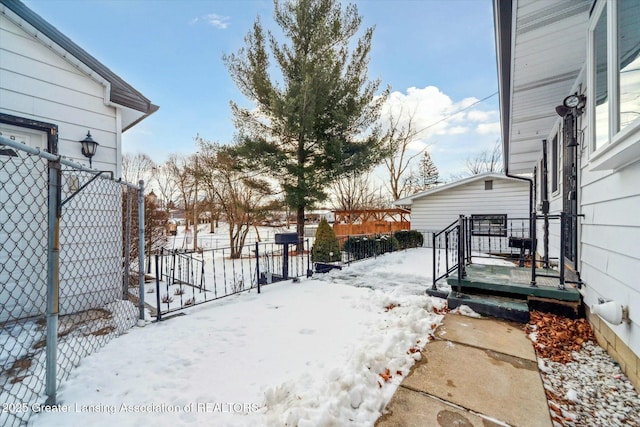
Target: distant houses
[(488, 195)]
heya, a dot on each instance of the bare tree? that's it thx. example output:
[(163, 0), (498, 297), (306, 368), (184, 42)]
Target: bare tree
[(177, 168), (355, 191), (398, 161), (242, 198), (163, 182), (208, 178), (136, 167), (486, 161)]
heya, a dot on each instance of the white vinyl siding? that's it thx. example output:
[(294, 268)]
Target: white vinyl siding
[(610, 260), (433, 212), (36, 83)]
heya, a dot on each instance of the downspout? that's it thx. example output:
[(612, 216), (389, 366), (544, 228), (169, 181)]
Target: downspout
[(530, 181)]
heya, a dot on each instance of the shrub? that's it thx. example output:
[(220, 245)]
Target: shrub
[(326, 247), (370, 246), (409, 238), (387, 243)]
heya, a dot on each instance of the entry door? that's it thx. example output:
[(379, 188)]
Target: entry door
[(23, 226), (570, 203)]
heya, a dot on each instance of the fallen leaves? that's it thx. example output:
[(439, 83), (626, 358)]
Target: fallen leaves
[(557, 336), (386, 375), (413, 350), (443, 310), (391, 307)]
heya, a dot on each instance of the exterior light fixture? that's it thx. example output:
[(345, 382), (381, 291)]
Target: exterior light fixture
[(572, 107), (574, 101), (89, 147)]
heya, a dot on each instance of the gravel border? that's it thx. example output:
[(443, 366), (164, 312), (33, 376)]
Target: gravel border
[(591, 390)]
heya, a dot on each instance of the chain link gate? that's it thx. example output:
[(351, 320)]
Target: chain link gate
[(70, 271)]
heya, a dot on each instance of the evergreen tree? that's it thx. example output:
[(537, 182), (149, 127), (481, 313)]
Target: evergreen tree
[(428, 175), (425, 177), (314, 121), (325, 246)]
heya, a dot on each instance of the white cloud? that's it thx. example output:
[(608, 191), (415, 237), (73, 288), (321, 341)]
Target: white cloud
[(458, 130), (219, 21), (487, 128), (480, 116), (432, 112)]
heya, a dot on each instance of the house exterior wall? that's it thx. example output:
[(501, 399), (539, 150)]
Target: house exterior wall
[(36, 83), (609, 231), (433, 212)]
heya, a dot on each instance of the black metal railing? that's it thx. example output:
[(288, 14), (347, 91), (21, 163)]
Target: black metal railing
[(460, 242), (564, 221), (184, 279)]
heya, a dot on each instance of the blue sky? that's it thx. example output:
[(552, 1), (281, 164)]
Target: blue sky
[(438, 56)]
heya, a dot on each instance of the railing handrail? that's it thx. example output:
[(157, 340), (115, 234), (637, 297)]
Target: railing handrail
[(452, 225)]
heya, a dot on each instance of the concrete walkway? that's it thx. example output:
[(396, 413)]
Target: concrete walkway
[(478, 372)]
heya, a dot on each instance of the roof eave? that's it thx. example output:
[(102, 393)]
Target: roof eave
[(503, 17), (120, 92)]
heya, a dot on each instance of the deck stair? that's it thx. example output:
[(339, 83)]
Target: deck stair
[(506, 292)]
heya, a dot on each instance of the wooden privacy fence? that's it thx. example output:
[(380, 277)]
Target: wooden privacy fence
[(370, 221)]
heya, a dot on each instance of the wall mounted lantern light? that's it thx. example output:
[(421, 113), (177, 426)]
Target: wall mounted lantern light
[(572, 107), (89, 147)]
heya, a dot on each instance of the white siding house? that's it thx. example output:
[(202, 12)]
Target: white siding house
[(569, 73), (52, 93), (484, 194)]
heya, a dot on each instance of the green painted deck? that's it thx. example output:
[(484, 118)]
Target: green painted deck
[(513, 281)]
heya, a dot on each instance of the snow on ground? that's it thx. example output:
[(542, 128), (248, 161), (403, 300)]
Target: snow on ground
[(326, 351)]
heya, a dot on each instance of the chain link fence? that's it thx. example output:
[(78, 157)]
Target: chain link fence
[(69, 271)]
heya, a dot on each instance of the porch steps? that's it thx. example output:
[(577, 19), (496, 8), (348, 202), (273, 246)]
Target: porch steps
[(513, 309), (502, 280), (506, 293)]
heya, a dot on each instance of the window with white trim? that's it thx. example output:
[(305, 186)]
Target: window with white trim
[(614, 46)]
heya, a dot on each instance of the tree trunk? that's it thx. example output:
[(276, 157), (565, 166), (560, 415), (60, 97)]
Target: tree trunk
[(300, 229)]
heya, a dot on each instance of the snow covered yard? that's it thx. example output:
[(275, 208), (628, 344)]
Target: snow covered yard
[(329, 350)]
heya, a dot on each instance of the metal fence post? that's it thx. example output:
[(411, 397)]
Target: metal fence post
[(258, 266), (435, 261), (53, 279), (460, 253), (159, 313), (534, 247), (127, 247), (141, 247)]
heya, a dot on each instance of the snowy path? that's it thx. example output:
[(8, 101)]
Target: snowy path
[(307, 353)]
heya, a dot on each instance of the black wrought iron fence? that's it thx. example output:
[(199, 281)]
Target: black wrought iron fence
[(184, 279), (65, 269)]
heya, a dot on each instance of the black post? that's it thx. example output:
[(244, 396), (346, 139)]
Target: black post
[(532, 252), (435, 260), (563, 237), (258, 278), (159, 313), (446, 252), (460, 252), (285, 262), (309, 271)]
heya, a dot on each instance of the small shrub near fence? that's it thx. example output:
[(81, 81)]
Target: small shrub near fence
[(409, 239), (361, 247), (325, 247)]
